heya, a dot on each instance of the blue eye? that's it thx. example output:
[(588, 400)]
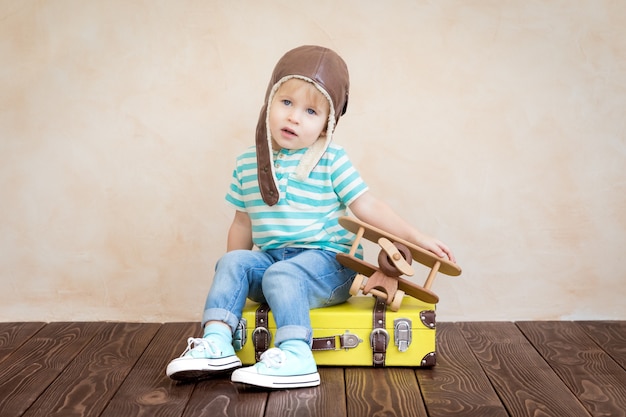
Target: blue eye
[(311, 111), (287, 102)]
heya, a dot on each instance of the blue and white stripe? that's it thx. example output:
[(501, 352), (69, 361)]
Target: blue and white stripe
[(307, 211)]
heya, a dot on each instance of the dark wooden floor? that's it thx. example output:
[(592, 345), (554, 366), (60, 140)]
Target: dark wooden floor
[(561, 369)]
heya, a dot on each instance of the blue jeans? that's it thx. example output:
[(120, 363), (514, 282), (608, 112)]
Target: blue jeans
[(290, 280)]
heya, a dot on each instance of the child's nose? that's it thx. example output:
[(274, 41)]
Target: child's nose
[(294, 116)]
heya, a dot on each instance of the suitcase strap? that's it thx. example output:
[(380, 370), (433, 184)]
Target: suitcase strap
[(262, 337), (379, 339)]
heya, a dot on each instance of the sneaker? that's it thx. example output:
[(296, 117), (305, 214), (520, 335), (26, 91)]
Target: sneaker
[(280, 368), (203, 358)]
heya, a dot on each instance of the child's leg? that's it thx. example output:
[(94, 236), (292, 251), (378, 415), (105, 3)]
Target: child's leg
[(238, 274), (306, 280)]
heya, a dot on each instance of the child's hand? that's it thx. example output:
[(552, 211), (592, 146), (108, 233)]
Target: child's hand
[(435, 246)]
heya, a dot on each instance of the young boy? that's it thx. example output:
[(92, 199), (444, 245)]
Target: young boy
[(288, 192)]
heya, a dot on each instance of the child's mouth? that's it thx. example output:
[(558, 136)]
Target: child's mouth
[(288, 131)]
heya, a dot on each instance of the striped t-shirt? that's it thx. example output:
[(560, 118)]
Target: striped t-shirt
[(306, 213)]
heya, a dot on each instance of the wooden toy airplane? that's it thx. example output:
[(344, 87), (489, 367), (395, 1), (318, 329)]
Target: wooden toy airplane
[(394, 260)]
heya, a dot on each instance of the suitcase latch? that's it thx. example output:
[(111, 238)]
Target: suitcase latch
[(240, 336), (349, 340), (402, 333)]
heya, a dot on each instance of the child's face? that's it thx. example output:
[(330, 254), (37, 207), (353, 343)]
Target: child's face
[(298, 115)]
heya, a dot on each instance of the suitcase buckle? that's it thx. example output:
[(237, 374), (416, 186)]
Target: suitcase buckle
[(402, 333), (264, 333), (379, 331)]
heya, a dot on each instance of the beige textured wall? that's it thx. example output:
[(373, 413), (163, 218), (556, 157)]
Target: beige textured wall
[(498, 126)]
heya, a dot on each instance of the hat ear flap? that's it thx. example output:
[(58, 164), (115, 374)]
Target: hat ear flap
[(265, 166)]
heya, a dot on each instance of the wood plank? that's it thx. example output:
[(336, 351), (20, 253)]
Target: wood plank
[(383, 391), (39, 361), (13, 335), (611, 335), (572, 369), (525, 383), (328, 399), (587, 370), (219, 397), (89, 382), (147, 391), (457, 385)]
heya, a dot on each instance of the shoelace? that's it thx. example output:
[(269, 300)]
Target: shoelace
[(200, 344), (273, 358)]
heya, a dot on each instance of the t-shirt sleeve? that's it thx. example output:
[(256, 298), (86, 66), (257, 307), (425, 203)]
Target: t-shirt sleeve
[(347, 181), (234, 196)]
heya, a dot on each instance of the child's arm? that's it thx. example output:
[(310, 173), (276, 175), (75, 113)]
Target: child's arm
[(377, 213), (240, 232)]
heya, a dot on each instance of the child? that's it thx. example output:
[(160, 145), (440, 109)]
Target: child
[(288, 192)]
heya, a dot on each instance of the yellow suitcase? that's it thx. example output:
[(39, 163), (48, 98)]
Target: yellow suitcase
[(359, 332)]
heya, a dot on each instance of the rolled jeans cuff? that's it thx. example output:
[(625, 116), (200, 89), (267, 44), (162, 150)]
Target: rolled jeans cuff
[(292, 332), (219, 314)]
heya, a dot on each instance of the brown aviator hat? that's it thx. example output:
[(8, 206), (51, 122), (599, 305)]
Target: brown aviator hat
[(329, 73)]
